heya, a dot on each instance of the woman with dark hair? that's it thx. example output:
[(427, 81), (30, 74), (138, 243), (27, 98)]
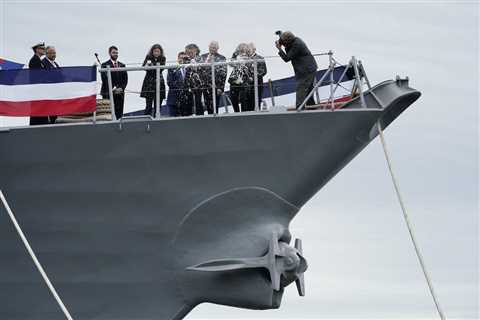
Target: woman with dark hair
[(154, 57)]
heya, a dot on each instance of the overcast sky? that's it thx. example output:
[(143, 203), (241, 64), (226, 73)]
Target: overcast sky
[(362, 264)]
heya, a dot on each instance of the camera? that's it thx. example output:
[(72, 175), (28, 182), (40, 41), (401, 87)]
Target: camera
[(279, 34)]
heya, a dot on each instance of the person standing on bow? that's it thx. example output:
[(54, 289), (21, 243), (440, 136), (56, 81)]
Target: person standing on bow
[(241, 80), (303, 62), (50, 63), (154, 57), (36, 63), (119, 82), (49, 60), (179, 98), (220, 76), (194, 78)]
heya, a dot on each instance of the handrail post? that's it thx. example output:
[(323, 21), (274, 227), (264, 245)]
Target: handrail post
[(255, 83), (341, 77), (110, 93), (214, 89), (194, 102), (331, 65), (380, 103), (359, 82), (317, 94), (157, 92), (270, 87)]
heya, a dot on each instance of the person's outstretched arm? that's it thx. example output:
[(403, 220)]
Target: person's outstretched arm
[(293, 52)]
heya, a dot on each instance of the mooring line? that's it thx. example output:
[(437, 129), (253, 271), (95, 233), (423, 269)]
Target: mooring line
[(409, 225), (34, 258)]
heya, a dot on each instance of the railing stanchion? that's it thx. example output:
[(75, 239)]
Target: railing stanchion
[(255, 83), (214, 89), (317, 94), (194, 102), (380, 103), (359, 82), (270, 87), (157, 92), (331, 65), (341, 77), (110, 93)]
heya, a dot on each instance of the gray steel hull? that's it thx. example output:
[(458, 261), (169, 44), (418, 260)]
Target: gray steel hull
[(101, 206)]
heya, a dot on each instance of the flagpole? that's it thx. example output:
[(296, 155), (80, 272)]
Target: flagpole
[(4, 8)]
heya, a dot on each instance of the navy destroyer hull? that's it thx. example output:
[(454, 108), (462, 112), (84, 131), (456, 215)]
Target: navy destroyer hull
[(111, 209)]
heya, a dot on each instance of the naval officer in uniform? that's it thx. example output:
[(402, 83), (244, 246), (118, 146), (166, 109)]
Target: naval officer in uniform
[(36, 63)]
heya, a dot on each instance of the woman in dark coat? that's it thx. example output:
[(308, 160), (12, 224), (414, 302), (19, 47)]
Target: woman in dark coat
[(155, 56)]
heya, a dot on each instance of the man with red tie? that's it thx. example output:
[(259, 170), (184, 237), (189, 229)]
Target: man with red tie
[(119, 82)]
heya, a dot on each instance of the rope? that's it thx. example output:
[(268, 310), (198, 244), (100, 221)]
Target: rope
[(409, 226), (34, 258)]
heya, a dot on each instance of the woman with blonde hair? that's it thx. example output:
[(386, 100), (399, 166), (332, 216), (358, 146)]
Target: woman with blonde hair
[(240, 79)]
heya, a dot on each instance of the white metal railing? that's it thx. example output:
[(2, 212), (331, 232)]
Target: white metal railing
[(353, 63), (212, 65), (358, 82)]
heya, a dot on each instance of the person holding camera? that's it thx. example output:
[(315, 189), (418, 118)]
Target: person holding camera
[(154, 57), (303, 62)]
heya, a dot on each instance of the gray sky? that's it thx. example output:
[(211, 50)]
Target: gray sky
[(362, 264)]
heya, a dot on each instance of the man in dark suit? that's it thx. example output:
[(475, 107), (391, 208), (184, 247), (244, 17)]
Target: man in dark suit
[(179, 98), (303, 62), (49, 60), (220, 76), (49, 63), (36, 63), (119, 82)]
